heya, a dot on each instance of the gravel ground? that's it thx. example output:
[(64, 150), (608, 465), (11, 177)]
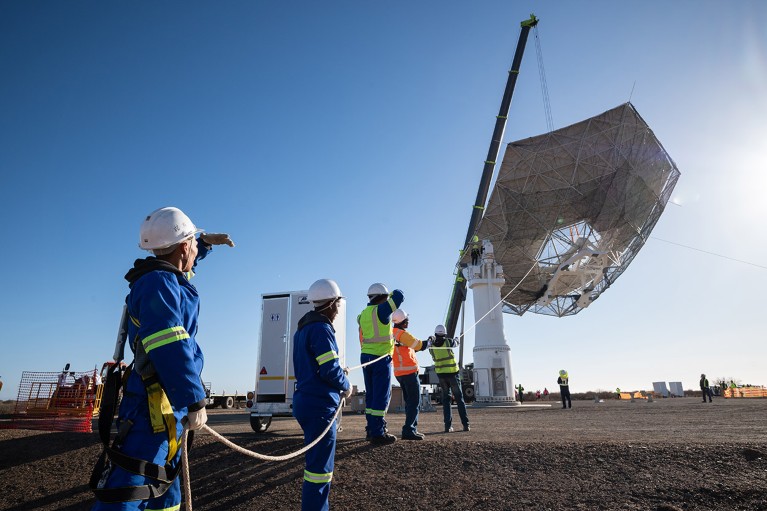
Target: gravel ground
[(665, 455)]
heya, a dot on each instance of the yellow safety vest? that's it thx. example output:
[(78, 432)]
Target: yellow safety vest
[(444, 360), (376, 337)]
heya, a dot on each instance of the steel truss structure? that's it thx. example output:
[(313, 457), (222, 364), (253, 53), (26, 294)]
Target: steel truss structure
[(576, 204)]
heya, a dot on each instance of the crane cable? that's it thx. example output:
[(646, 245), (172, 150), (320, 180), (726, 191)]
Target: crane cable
[(544, 85)]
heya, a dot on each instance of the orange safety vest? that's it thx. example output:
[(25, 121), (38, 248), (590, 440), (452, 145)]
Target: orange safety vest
[(404, 357)]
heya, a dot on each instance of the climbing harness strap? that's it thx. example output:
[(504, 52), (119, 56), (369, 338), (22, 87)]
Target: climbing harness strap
[(161, 418)]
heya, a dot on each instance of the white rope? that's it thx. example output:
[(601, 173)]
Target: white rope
[(348, 369), (265, 457), (488, 312), (246, 452), (185, 467)]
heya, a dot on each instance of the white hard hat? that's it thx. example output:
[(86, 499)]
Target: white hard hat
[(164, 228), (324, 290), (377, 289), (440, 330), (398, 316)]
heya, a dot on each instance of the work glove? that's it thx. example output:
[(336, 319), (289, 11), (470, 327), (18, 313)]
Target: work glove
[(346, 371), (212, 238), (346, 394), (196, 420), (424, 345)]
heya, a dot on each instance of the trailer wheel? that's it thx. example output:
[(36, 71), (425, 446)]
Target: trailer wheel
[(227, 403), (468, 393), (260, 424)]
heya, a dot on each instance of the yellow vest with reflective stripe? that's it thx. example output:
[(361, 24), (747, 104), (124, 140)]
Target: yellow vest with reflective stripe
[(444, 359), (376, 337)]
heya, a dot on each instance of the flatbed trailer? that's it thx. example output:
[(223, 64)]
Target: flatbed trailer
[(223, 400)]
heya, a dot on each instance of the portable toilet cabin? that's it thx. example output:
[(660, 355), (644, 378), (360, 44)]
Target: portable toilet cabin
[(275, 378)]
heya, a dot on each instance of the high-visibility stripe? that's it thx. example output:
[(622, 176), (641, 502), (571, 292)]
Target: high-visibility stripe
[(444, 362), (163, 337), (404, 356), (318, 478), (171, 508), (375, 413), (327, 357), (377, 337), (134, 321)]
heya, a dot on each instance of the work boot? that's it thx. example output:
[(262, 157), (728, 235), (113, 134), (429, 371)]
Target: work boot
[(367, 434), (449, 429), (466, 427), (384, 439), (412, 436)]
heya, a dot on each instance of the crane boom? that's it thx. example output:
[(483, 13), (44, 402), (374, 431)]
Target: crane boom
[(459, 286)]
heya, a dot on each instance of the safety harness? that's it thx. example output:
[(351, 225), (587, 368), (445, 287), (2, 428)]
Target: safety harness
[(161, 417)]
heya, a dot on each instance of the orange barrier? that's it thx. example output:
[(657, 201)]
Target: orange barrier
[(745, 392), (639, 394), (56, 401)]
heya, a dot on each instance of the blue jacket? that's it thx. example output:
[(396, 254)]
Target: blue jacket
[(319, 377), (384, 310), (163, 307)]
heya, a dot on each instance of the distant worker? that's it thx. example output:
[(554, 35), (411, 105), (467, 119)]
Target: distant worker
[(63, 380), (521, 392), (618, 393), (538, 394), (376, 336), (545, 394), (320, 386), (564, 389), (406, 372), (475, 252), (705, 389), (164, 389), (449, 377)]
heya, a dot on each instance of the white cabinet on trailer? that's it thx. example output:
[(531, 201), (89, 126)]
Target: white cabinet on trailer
[(275, 379)]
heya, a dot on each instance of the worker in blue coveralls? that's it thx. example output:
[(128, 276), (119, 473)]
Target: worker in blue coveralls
[(321, 383), (164, 388), (377, 339)]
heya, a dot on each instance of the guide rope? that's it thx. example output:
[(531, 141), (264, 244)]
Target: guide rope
[(265, 457), (242, 450), (488, 312)]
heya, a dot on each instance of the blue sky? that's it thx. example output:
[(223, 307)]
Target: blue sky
[(345, 140)]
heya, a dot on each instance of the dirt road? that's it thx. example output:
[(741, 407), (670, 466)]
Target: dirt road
[(665, 455)]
